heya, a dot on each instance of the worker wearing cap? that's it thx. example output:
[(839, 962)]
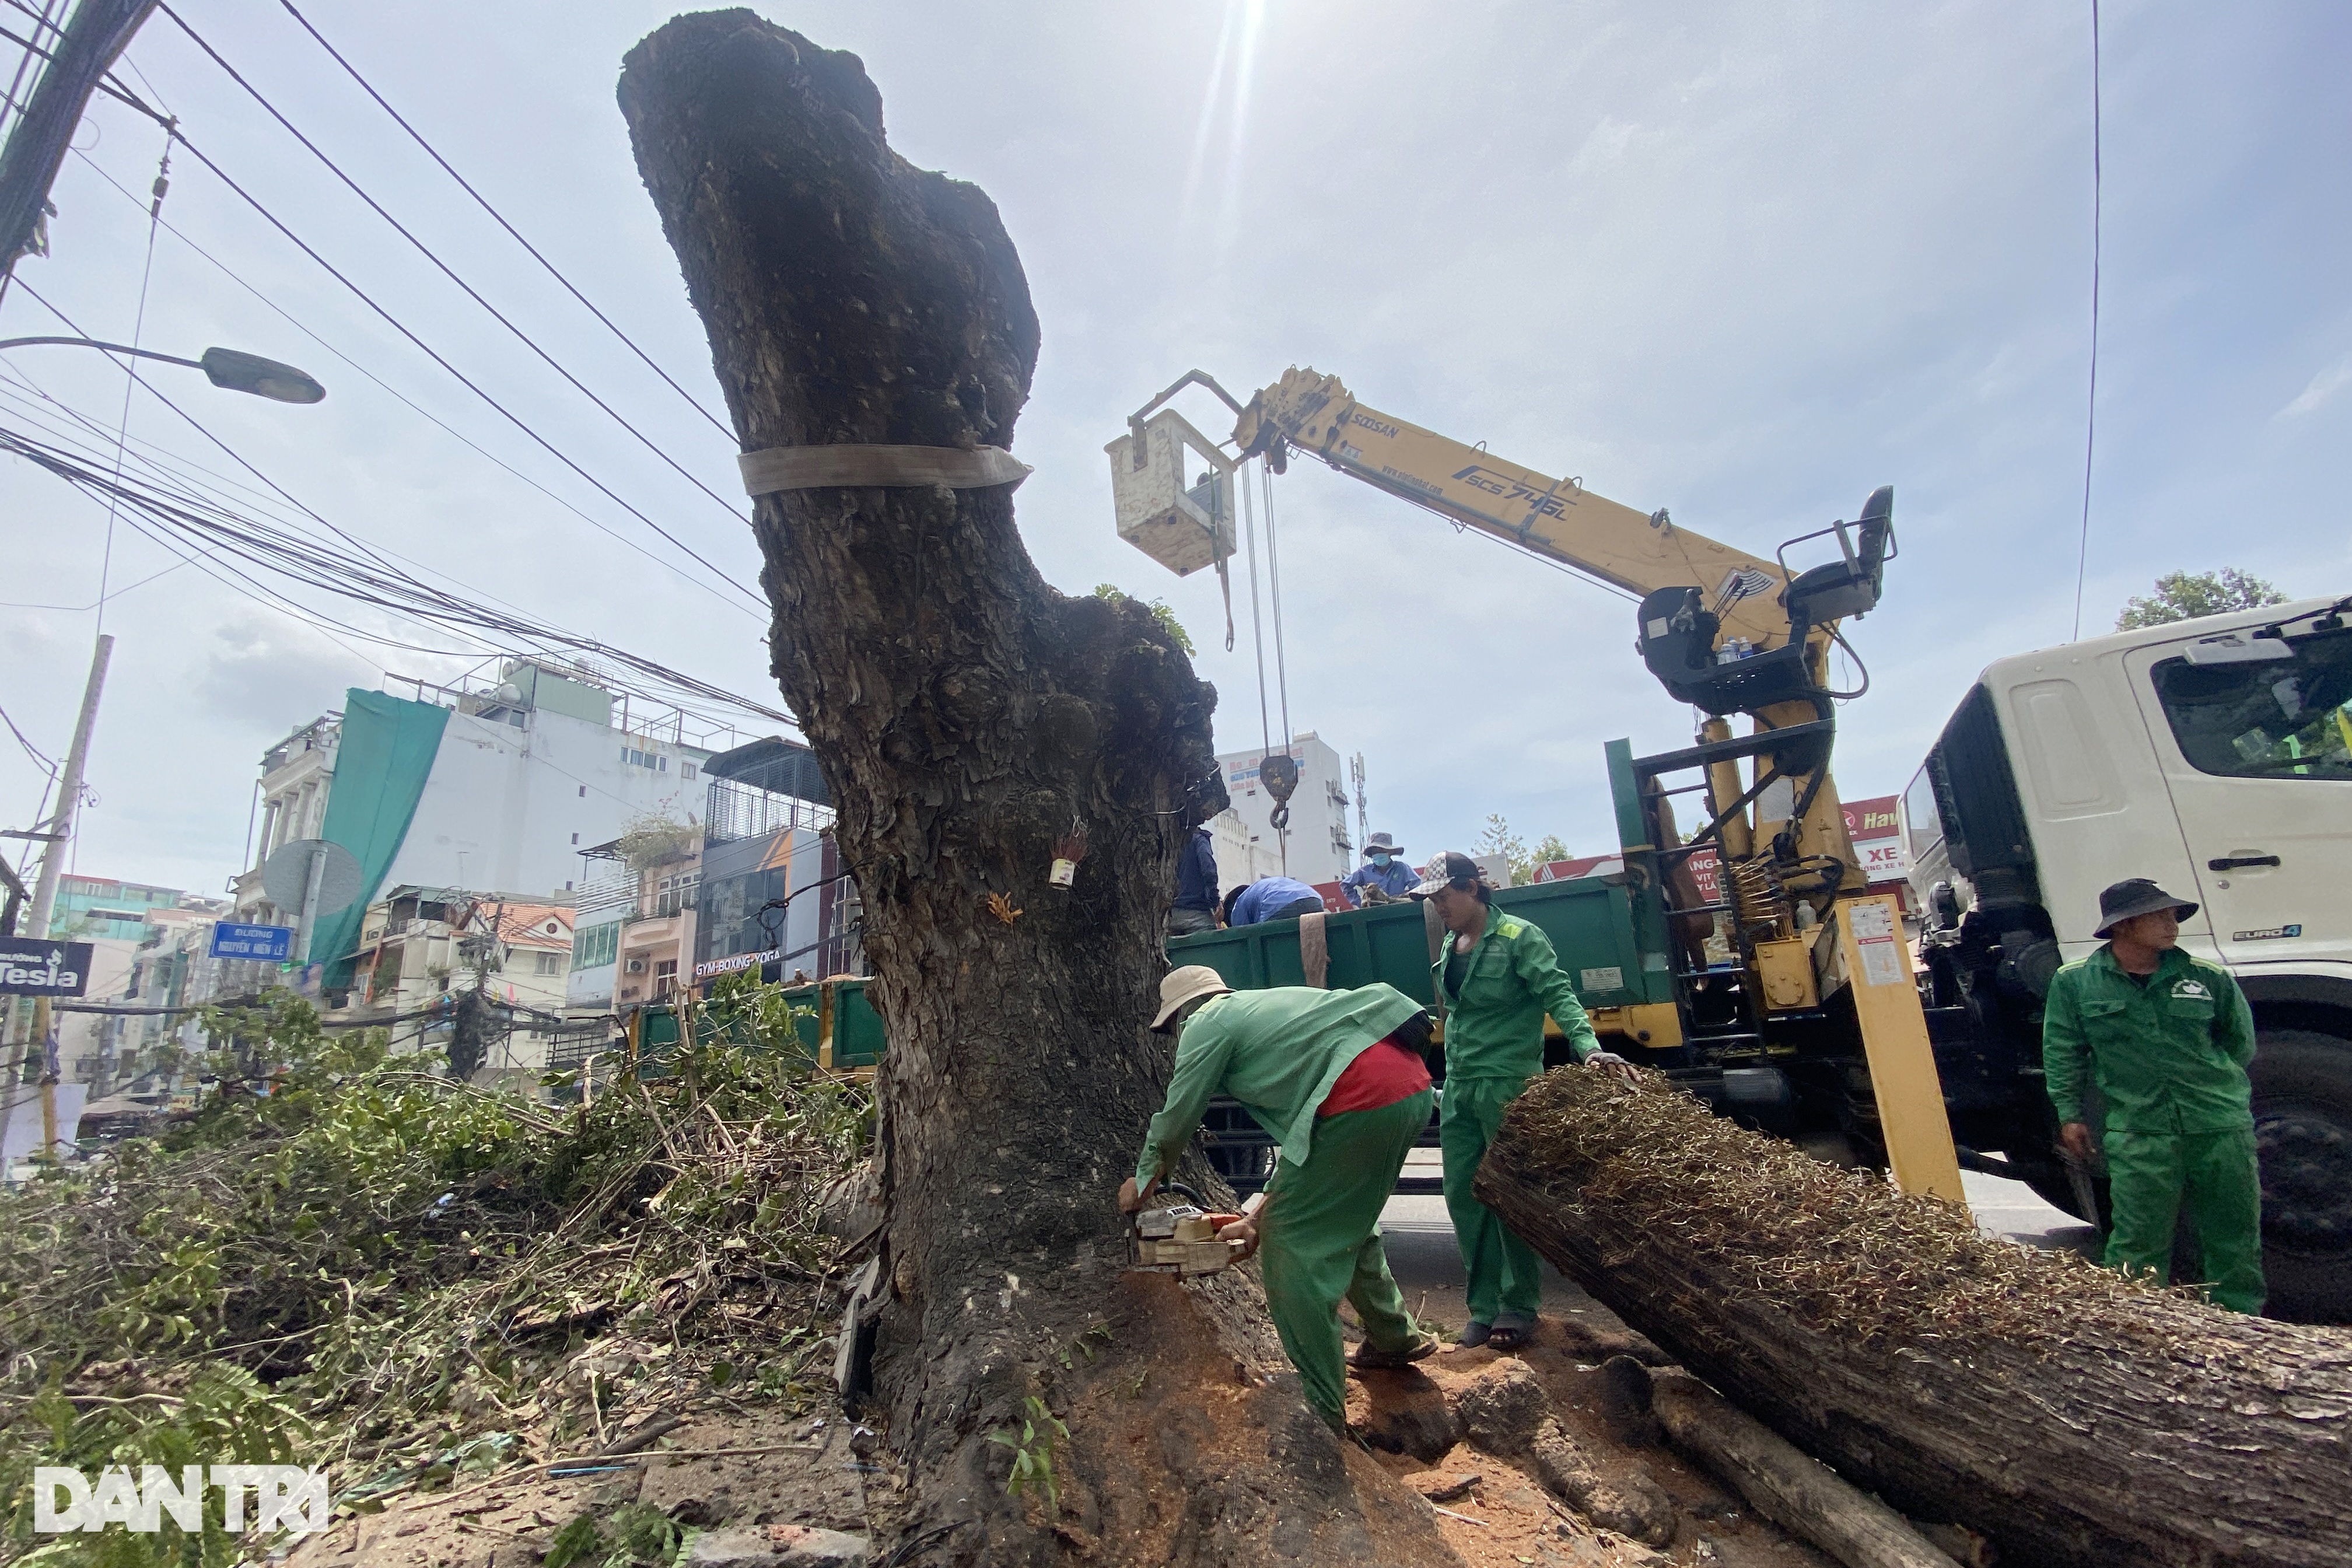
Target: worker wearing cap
[(2169, 1038), (1497, 978), (1384, 868), (1336, 1077)]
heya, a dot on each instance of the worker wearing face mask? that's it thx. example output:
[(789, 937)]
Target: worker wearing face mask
[(1383, 868)]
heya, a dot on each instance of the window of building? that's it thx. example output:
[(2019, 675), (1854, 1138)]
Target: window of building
[(685, 769), (2286, 718), (549, 962), (575, 838), (583, 792)]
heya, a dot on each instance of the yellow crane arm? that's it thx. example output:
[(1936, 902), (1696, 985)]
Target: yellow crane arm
[(1555, 518)]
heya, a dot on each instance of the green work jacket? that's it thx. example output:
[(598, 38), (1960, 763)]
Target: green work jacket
[(2169, 1055), (1278, 1052), (1495, 1028)]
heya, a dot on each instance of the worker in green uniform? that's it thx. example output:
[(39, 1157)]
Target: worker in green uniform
[(1497, 978), (1336, 1079), (2169, 1038)]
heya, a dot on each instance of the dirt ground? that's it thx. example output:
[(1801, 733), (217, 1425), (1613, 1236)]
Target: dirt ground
[(1505, 1518), (804, 1471)]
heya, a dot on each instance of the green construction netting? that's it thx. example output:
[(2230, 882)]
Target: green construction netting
[(386, 754)]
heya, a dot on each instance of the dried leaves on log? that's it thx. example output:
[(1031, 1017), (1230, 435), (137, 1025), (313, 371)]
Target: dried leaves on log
[(2074, 1415)]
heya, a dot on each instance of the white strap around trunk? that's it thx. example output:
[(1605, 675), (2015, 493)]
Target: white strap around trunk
[(816, 468), (1315, 949)]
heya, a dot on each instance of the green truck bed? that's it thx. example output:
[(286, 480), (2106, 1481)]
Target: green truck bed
[(1590, 920)]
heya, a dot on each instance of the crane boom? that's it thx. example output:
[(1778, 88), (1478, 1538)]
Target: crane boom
[(1557, 519)]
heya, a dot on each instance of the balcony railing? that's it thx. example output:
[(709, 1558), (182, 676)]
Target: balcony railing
[(745, 811)]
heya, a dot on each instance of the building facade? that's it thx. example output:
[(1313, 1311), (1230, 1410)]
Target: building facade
[(420, 948), (492, 790), (92, 908), (773, 897), (638, 917)]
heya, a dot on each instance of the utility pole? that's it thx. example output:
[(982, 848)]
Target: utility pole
[(53, 861), (92, 39)]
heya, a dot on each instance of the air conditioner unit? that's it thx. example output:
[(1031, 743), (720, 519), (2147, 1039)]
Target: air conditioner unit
[(637, 966)]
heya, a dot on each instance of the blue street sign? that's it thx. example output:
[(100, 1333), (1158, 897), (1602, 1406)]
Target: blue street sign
[(274, 944)]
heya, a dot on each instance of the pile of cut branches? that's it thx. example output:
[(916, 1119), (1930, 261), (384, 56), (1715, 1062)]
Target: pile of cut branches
[(378, 1269)]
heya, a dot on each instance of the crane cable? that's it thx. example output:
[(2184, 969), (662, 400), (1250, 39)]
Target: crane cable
[(1280, 781)]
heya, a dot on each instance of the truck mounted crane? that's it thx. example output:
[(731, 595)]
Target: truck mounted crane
[(1728, 631)]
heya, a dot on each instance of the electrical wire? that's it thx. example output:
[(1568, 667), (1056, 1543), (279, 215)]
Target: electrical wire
[(291, 556), (2091, 417), (134, 101), (447, 271), (40, 759), (692, 402), (131, 381), (25, 61), (405, 401)]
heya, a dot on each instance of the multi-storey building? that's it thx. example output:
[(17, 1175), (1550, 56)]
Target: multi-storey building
[(773, 896), (493, 789)]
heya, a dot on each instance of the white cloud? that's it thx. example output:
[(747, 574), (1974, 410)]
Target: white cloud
[(2324, 386)]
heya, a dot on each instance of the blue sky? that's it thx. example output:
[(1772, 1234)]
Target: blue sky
[(1744, 263)]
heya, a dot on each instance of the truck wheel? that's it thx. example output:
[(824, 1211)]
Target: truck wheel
[(2303, 1131)]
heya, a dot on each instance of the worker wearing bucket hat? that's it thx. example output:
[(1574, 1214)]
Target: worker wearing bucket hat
[(1384, 868), (1335, 1079), (2168, 1037), (1497, 978)]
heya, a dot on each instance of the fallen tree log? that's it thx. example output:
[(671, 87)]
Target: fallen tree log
[(1785, 1484), (2072, 1415)]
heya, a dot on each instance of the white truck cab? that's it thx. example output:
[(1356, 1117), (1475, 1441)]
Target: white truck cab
[(2214, 756)]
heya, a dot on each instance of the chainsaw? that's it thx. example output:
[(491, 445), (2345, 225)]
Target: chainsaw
[(1178, 1234)]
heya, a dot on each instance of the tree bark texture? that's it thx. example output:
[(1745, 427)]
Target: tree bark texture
[(968, 719), (2072, 1415), (1787, 1485)]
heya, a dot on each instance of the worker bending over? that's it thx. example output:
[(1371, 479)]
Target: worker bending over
[(1271, 898), (1335, 1079), (2169, 1038), (1497, 978)]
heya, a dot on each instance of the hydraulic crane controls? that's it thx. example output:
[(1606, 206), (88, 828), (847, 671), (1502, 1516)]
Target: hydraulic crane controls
[(1681, 641)]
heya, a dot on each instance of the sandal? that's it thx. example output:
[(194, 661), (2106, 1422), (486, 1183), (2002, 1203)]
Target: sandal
[(1507, 1337), (1473, 1335)]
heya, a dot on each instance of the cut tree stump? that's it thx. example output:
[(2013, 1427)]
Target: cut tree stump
[(972, 725), (2073, 1416)]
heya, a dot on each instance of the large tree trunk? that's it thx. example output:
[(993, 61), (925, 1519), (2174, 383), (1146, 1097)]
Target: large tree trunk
[(967, 717), (2072, 1415)]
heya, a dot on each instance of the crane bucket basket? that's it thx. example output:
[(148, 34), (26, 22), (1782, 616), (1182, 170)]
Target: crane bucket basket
[(1184, 522)]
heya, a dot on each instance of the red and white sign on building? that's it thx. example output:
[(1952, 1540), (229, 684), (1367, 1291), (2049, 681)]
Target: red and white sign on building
[(1877, 829)]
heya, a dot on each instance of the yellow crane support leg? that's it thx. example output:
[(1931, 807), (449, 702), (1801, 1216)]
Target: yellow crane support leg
[(1874, 962)]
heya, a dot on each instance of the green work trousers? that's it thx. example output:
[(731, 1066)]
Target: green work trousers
[(1504, 1272), (2151, 1174), (1320, 1242)]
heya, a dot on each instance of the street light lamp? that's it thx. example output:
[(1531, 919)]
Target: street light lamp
[(225, 367)]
